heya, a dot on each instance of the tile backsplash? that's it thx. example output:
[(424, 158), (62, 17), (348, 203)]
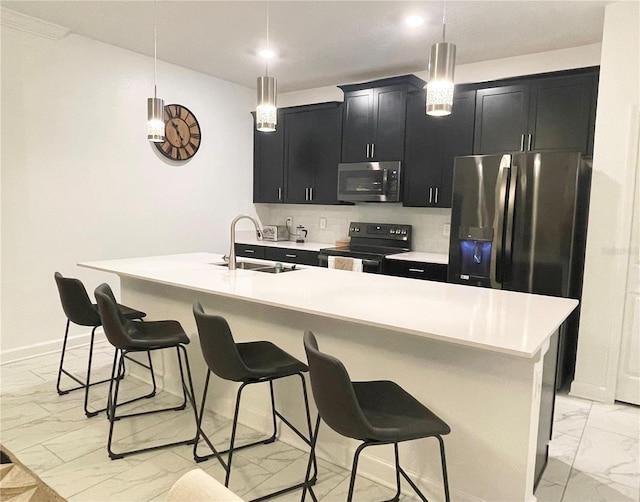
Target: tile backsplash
[(427, 223)]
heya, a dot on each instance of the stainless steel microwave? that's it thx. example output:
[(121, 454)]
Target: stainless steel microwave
[(369, 181)]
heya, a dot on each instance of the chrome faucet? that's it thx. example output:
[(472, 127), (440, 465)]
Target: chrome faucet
[(232, 248)]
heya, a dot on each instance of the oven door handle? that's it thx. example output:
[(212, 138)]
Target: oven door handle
[(371, 262)]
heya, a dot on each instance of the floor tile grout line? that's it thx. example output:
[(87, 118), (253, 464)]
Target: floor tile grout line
[(573, 459)]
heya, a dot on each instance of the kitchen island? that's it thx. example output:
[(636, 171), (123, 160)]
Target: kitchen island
[(475, 356)]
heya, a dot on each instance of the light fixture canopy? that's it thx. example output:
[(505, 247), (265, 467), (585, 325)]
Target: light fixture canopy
[(266, 111), (442, 62), (155, 105), (266, 108)]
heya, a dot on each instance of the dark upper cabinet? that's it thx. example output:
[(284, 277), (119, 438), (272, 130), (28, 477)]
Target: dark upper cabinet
[(431, 145), (374, 119), (541, 113), (312, 152), (268, 163), (298, 163)]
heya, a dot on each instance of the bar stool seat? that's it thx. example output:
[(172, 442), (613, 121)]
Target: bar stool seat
[(375, 412), (79, 310), (247, 363)]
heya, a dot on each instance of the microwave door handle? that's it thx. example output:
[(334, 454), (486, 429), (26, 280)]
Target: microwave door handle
[(385, 187)]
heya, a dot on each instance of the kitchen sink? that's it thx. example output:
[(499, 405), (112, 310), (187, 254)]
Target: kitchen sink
[(258, 267)]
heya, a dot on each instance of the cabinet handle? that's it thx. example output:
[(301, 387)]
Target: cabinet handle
[(279, 193), (530, 141), (430, 194), (522, 142), (311, 193), (416, 270), (249, 251), (306, 194), (373, 150), (437, 195), (291, 255), (367, 150)]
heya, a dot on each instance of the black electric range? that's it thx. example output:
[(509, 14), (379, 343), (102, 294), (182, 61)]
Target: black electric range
[(371, 242)]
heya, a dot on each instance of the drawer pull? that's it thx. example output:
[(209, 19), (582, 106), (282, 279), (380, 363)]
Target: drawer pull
[(416, 270), (249, 251), (291, 255)]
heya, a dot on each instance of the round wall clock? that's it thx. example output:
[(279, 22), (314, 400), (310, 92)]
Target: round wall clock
[(181, 131)]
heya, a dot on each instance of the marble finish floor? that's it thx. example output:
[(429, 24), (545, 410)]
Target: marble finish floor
[(594, 454)]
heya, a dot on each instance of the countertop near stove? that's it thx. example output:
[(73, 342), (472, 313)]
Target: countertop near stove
[(249, 237), (439, 258), (516, 324)]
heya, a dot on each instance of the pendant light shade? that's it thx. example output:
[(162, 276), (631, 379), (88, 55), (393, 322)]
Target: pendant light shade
[(155, 120), (266, 111), (442, 61)]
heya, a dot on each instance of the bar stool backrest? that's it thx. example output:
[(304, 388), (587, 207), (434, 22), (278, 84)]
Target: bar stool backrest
[(333, 392), (75, 301), (218, 347), (117, 328)]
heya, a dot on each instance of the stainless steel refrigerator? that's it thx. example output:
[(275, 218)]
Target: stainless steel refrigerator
[(519, 222)]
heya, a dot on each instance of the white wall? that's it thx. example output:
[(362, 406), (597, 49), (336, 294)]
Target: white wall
[(614, 175), (81, 182)]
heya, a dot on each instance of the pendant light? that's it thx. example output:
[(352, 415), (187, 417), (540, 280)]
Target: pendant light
[(155, 105), (266, 109), (442, 61)]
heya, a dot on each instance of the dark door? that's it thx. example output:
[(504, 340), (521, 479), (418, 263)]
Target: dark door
[(357, 125), (389, 120), (432, 143), (501, 119), (561, 113), (268, 163), (313, 140)]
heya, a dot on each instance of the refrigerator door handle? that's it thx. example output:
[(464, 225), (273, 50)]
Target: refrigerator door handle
[(511, 205), (496, 272)]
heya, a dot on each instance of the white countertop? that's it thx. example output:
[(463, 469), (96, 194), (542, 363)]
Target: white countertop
[(439, 258), (512, 323), (249, 237)]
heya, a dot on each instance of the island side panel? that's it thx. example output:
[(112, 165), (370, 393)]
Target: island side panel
[(491, 401)]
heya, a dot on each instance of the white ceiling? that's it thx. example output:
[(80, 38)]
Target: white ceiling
[(323, 42)]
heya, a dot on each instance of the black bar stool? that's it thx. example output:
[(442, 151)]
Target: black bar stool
[(376, 413), (248, 363), (79, 310), (127, 337)]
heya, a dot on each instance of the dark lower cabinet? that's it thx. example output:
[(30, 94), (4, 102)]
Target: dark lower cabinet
[(539, 113), (250, 251), (416, 270), (431, 145), (300, 256)]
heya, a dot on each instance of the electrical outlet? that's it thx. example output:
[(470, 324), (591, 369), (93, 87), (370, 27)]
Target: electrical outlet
[(289, 221), (323, 223), (446, 229)]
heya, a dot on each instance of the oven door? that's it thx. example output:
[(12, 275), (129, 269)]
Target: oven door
[(369, 182)]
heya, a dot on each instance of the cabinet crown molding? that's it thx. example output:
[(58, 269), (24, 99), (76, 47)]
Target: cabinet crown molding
[(32, 25)]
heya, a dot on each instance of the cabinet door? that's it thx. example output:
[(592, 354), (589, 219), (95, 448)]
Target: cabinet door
[(357, 125), (299, 155), (312, 142), (268, 164), (501, 119), (432, 144), (563, 113), (390, 104)]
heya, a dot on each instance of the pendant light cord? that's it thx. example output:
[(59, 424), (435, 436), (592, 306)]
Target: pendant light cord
[(444, 23), (266, 61), (155, 47)]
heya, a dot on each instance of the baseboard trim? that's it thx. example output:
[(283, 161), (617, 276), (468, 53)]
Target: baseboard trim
[(590, 391), (45, 348)]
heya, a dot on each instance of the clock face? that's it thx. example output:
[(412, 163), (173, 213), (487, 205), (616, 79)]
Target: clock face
[(182, 133)]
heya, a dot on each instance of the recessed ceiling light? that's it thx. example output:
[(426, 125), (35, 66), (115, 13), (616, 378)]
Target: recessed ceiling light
[(267, 54), (414, 20)]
